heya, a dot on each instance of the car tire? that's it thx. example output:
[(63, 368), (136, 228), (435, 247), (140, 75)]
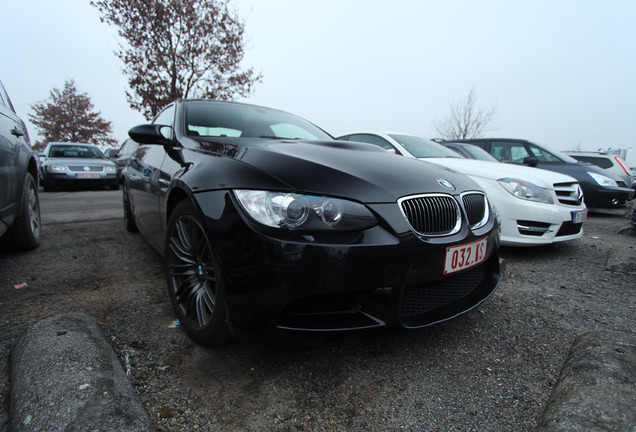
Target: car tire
[(195, 284), (25, 233), (129, 216)]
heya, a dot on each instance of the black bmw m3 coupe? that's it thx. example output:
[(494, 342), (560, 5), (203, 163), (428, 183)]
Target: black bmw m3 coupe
[(267, 224)]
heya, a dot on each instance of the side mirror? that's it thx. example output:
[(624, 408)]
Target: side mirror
[(151, 134), (531, 161), (391, 150)]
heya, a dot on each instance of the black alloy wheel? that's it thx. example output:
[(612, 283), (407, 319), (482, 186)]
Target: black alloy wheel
[(194, 284), (26, 231)]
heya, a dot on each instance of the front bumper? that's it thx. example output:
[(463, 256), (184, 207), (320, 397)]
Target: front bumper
[(607, 197), (76, 179), (530, 224), (349, 281)]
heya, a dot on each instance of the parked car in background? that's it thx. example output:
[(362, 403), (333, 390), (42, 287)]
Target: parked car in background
[(536, 207), (77, 164), (124, 154), (600, 188), (111, 153), (268, 225), (609, 162), (470, 151), (20, 223)]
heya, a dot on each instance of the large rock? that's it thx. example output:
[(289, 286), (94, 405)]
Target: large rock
[(596, 390), (65, 376)]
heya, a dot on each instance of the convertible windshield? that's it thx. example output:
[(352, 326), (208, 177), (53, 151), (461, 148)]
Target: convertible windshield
[(219, 119), (423, 148), (70, 151)]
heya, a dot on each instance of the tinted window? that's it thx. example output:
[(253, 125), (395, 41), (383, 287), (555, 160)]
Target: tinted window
[(543, 155), (507, 151), (246, 121), (4, 98), (71, 151), (473, 152), (423, 148), (599, 161), (372, 139), (165, 117)]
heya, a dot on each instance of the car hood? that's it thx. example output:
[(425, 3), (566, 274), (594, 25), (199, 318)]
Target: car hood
[(498, 170), (76, 161), (578, 170), (338, 168)]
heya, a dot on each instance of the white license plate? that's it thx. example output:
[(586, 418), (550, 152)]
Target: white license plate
[(579, 216), (87, 175), (464, 256)]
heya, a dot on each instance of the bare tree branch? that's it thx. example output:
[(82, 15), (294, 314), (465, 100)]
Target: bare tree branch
[(466, 119)]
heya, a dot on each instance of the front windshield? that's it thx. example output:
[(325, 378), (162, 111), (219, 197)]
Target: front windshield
[(423, 148), (479, 153), (71, 151), (218, 119), (544, 155)]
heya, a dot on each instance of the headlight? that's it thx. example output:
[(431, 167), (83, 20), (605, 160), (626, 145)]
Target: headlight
[(602, 180), (111, 168), (56, 168), (306, 212), (526, 190)]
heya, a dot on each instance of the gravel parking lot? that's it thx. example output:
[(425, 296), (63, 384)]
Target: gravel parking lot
[(491, 369)]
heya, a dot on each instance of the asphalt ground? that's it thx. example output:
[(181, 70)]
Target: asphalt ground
[(498, 368)]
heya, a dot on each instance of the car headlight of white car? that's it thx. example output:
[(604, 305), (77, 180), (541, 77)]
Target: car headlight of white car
[(56, 168), (111, 168), (526, 190), (602, 180)]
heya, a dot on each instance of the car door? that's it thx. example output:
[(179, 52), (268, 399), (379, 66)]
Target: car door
[(145, 183), (12, 132)]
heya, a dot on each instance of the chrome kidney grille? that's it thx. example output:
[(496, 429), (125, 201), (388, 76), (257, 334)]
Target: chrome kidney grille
[(432, 215), (437, 215), (477, 209)]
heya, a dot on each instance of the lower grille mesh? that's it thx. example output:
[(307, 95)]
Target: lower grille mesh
[(421, 299)]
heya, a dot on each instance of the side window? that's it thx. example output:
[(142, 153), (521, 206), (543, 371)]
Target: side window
[(166, 117), (543, 155), (372, 139), (4, 98), (506, 151)]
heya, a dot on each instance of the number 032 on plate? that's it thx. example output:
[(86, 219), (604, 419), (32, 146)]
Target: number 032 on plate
[(464, 256)]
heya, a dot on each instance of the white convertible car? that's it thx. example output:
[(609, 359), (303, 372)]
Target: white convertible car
[(536, 206)]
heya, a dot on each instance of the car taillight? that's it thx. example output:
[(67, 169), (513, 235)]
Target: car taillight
[(620, 162)]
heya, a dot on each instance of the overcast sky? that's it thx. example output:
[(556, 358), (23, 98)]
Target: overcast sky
[(562, 73)]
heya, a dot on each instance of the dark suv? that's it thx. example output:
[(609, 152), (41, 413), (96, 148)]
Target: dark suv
[(601, 189), (19, 201)]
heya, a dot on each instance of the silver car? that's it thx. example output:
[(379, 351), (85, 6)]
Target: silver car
[(609, 162), (75, 164)]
